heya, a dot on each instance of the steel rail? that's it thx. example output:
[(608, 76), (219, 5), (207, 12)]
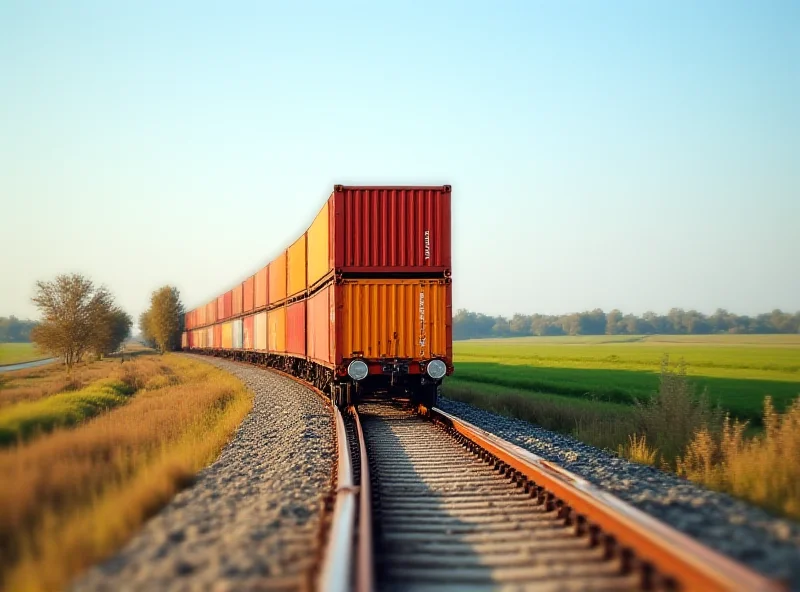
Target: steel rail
[(365, 580), (673, 554), (336, 570)]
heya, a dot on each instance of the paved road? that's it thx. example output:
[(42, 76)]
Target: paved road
[(24, 365)]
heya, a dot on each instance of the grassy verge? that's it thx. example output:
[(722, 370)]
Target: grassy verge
[(17, 353), (74, 496), (677, 429)]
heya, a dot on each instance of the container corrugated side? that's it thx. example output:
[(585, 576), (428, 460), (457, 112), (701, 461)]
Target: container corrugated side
[(238, 337), (277, 279), (262, 334), (248, 294), (227, 335), (221, 307), (217, 340), (319, 332), (399, 229), (395, 318), (248, 332), (296, 328), (319, 249), (276, 319), (228, 304), (237, 305), (296, 267), (211, 313), (261, 287)]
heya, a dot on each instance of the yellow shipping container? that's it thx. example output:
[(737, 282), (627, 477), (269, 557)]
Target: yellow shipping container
[(276, 319), (227, 335), (277, 279), (395, 318), (319, 249), (261, 331), (296, 267)]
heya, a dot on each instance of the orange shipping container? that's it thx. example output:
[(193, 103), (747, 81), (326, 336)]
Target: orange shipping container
[(220, 307), (319, 336), (276, 319), (261, 288), (296, 267), (248, 293), (249, 332), (238, 301), (227, 335), (319, 249), (261, 331), (277, 279), (211, 312), (395, 318)]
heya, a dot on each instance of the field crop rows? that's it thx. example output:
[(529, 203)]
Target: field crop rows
[(16, 353)]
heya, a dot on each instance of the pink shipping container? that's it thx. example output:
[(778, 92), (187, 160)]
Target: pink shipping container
[(227, 304), (296, 329), (319, 337), (249, 332), (221, 307), (391, 229), (248, 294), (261, 331), (238, 302)]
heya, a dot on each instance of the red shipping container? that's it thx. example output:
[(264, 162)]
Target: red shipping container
[(220, 307), (319, 336), (218, 336), (391, 229), (249, 332), (237, 301), (227, 305), (211, 313), (248, 298), (261, 287), (296, 328)]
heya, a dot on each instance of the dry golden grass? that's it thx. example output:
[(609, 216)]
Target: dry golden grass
[(638, 450), (764, 470), (36, 383), (70, 498)]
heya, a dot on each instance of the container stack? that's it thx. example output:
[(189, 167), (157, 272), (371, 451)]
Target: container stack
[(369, 279)]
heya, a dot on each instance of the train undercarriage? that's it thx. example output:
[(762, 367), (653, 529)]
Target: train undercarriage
[(390, 383)]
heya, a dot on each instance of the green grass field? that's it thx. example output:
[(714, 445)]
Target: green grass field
[(738, 370), (16, 353)]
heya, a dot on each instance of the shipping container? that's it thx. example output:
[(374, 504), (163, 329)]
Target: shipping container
[(319, 260), (227, 335), (238, 301), (248, 294), (227, 300), (217, 336), (185, 340), (211, 313), (276, 319), (319, 334), (296, 267), (221, 308), (211, 334), (296, 329), (238, 338), (261, 287), (248, 332), (394, 318), (262, 334), (200, 318), (391, 229), (277, 279)]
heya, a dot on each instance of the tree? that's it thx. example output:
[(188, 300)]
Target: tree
[(144, 327), (109, 334), (72, 309), (163, 321)]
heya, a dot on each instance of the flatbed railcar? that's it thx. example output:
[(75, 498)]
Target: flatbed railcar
[(359, 305)]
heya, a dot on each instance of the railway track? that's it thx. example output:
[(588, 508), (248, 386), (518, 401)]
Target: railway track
[(427, 501)]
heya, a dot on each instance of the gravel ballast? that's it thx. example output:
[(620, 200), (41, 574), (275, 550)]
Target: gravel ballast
[(767, 544), (251, 519)]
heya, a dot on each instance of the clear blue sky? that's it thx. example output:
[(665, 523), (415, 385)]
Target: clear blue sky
[(637, 155)]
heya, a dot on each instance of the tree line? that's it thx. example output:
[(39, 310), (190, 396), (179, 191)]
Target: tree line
[(471, 325), (14, 330)]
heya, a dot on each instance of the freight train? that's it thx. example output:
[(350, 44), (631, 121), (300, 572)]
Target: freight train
[(359, 305)]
